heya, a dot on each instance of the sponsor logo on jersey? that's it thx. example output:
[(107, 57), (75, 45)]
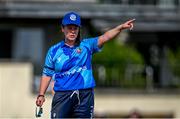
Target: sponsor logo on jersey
[(71, 72)]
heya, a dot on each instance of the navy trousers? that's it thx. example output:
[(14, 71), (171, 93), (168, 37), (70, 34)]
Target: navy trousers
[(73, 104)]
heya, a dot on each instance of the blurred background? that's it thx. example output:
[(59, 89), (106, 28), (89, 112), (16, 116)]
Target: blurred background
[(137, 74)]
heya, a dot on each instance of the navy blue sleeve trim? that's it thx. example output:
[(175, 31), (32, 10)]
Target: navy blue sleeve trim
[(48, 67)]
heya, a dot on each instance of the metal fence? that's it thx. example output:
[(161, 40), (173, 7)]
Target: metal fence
[(132, 76), (120, 75)]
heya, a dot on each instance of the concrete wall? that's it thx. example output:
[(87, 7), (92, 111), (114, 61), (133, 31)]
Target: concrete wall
[(18, 101), (146, 104)]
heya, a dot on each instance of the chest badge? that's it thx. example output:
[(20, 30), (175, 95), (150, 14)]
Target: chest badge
[(78, 50)]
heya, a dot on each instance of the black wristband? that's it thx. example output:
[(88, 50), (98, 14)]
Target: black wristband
[(40, 96)]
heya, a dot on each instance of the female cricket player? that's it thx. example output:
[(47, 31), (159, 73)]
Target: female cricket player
[(68, 63)]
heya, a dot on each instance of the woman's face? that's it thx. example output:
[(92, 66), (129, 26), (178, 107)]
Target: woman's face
[(70, 32)]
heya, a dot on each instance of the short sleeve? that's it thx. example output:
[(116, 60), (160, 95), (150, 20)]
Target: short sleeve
[(49, 68), (93, 44)]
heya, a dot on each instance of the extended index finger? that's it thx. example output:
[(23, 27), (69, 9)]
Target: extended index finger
[(132, 20)]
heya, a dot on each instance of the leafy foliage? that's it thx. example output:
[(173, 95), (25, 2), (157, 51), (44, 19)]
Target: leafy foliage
[(118, 52)]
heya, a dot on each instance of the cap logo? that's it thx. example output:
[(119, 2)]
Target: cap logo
[(73, 17)]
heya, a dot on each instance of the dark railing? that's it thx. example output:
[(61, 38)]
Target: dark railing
[(119, 75), (132, 76)]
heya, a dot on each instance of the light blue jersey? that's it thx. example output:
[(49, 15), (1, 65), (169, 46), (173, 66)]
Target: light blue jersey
[(71, 67)]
